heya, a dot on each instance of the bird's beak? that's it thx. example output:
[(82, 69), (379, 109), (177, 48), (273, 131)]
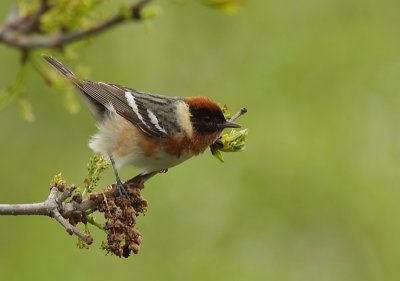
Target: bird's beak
[(230, 124)]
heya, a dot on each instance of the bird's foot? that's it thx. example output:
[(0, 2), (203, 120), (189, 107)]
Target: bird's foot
[(121, 188)]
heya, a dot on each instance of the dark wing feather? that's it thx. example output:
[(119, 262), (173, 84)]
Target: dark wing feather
[(151, 111), (107, 94)]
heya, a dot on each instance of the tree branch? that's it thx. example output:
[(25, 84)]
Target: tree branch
[(17, 32), (51, 207), (41, 208), (68, 214)]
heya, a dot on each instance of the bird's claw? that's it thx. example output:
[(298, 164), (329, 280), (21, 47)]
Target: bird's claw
[(121, 189)]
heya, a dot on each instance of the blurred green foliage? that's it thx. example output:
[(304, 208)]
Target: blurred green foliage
[(65, 15), (313, 197)]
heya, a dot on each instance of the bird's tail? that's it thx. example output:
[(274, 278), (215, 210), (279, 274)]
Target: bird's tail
[(61, 68)]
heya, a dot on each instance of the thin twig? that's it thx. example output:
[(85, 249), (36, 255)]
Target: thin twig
[(238, 114), (67, 193), (22, 39), (72, 230)]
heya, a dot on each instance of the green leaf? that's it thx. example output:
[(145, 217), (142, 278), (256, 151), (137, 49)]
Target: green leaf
[(58, 180), (226, 6), (25, 109), (234, 141), (217, 154), (150, 12), (96, 166)]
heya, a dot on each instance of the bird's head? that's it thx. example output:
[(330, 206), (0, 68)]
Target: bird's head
[(207, 117)]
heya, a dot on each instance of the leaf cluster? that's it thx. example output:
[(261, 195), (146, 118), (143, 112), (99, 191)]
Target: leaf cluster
[(62, 15)]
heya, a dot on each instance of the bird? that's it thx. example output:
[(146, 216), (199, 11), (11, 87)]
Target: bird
[(149, 131)]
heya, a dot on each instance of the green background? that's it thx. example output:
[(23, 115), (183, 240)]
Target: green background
[(315, 196)]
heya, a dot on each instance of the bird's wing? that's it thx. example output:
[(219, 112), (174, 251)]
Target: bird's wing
[(137, 108), (150, 113)]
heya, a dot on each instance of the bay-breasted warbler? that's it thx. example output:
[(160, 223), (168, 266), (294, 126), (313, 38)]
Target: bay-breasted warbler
[(151, 132)]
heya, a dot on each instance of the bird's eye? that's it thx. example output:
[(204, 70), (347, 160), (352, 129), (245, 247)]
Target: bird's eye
[(207, 118)]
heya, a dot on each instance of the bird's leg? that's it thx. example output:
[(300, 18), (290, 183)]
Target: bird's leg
[(121, 187)]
